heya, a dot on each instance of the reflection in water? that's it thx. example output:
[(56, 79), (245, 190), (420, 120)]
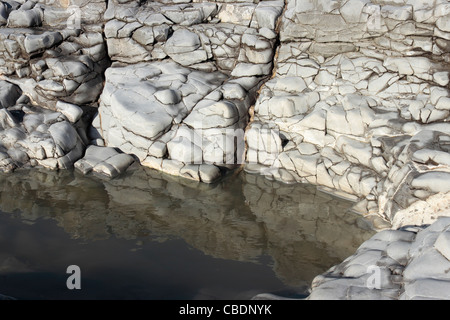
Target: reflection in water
[(244, 217)]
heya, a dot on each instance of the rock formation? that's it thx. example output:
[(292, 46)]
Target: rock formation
[(52, 61), (359, 102), (348, 95), (406, 264), (183, 78)]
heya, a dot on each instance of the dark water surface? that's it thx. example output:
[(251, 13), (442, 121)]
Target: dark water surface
[(148, 235)]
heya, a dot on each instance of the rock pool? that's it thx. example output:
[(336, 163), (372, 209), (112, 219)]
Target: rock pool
[(148, 235)]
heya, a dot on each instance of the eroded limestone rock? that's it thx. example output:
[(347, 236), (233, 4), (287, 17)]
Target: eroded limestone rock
[(359, 90), (34, 136), (186, 114), (404, 264), (104, 161)]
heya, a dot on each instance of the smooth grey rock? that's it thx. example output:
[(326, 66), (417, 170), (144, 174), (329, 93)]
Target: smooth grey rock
[(9, 93), (236, 13), (184, 150), (7, 120), (406, 267), (25, 18), (104, 161), (426, 155), (189, 58), (398, 251), (126, 50), (209, 173), (443, 23), (267, 13), (249, 69), (144, 36), (441, 78), (430, 264), (435, 181), (64, 135), (35, 43), (182, 41), (427, 289), (168, 96), (213, 115), (442, 244), (366, 258), (71, 111), (67, 161), (18, 156)]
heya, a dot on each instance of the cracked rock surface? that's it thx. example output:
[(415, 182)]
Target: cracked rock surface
[(349, 95), (358, 102), (34, 136), (404, 264)]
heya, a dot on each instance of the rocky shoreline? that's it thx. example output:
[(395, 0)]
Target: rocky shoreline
[(351, 96), (409, 263)]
